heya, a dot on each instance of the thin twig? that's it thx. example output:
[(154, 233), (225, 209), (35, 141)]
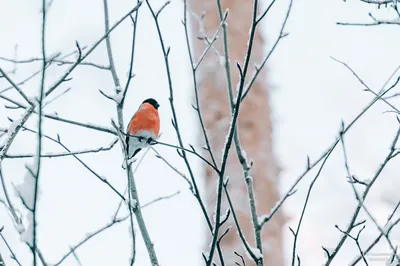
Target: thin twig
[(194, 76), (89, 236), (13, 256), (15, 86), (113, 222), (179, 148), (10, 206), (68, 121), (375, 22), (364, 195), (60, 62), (365, 85), (81, 57), (90, 50), (130, 73), (161, 198), (237, 224), (76, 257), (63, 154), (376, 241), (175, 122), (357, 241), (360, 199), (311, 165), (158, 155), (296, 233), (101, 178), (258, 69)]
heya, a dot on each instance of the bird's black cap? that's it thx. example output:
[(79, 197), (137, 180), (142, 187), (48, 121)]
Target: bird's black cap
[(152, 102)]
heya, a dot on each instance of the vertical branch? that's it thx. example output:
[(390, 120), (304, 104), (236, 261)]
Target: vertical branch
[(240, 42), (226, 56), (108, 45), (39, 148), (242, 159), (240, 153), (303, 211), (194, 77), (131, 181), (222, 171), (175, 123), (130, 74)]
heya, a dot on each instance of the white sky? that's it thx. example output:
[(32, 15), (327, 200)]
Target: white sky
[(311, 94)]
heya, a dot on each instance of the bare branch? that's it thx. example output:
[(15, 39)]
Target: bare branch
[(194, 76), (364, 195), (375, 22), (237, 224), (13, 256), (158, 155), (361, 199), (281, 35), (296, 233), (68, 121), (101, 178), (133, 195), (130, 73), (15, 86), (176, 123), (161, 198), (357, 240), (113, 222), (90, 50), (36, 175), (89, 236), (310, 166), (29, 111), (60, 62), (76, 258), (365, 85), (389, 226), (63, 154)]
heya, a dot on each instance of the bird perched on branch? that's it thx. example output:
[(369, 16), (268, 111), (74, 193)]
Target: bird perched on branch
[(143, 128)]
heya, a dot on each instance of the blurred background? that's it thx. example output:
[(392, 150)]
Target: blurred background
[(308, 94)]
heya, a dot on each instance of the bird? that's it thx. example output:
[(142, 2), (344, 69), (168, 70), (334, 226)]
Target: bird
[(143, 128)]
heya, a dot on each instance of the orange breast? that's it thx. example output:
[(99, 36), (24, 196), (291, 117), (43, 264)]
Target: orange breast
[(146, 118)]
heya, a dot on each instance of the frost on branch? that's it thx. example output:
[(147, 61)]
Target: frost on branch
[(393, 261), (27, 234), (226, 180), (257, 253), (13, 126), (116, 97), (261, 219), (26, 190), (133, 203)]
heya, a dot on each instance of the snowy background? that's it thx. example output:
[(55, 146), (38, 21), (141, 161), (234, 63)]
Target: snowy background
[(311, 94)]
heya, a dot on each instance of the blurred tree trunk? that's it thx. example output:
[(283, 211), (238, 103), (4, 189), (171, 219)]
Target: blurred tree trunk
[(254, 126)]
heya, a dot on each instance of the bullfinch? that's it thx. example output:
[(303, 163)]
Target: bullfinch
[(143, 128)]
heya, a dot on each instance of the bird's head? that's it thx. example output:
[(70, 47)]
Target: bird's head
[(153, 102)]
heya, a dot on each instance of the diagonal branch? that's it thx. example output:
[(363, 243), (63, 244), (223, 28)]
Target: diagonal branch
[(16, 87)]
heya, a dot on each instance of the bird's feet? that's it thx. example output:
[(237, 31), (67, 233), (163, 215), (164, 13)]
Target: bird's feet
[(128, 162), (151, 141)]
